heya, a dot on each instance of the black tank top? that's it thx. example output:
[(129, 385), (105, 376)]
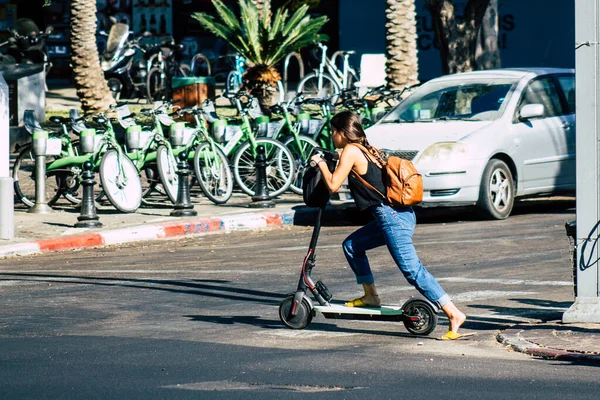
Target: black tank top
[(363, 196)]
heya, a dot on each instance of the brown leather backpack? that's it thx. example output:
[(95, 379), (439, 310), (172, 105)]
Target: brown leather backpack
[(404, 184)]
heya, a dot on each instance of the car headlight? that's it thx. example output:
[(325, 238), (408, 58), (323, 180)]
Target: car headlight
[(447, 157)]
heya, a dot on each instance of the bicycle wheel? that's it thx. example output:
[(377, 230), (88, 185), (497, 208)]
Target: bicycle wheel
[(309, 86), (24, 178), (156, 85), (120, 181), (213, 173), (232, 83), (301, 150), (280, 167), (73, 190), (167, 171)]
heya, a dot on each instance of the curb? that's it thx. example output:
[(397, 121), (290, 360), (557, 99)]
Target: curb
[(165, 230), (513, 339)]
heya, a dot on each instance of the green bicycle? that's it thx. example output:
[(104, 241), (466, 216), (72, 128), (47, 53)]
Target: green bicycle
[(288, 131), (211, 165), (240, 143), (118, 176)]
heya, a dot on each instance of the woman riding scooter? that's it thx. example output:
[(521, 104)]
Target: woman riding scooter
[(393, 227)]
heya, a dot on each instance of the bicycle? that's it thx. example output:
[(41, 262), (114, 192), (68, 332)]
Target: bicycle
[(162, 68), (288, 131), (375, 103), (319, 130), (146, 147), (328, 79), (235, 77), (24, 166), (239, 144), (118, 176), (211, 165)]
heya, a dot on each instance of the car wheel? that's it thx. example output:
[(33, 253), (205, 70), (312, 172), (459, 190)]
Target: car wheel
[(497, 191)]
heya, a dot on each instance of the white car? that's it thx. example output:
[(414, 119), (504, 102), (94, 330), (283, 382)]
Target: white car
[(487, 137)]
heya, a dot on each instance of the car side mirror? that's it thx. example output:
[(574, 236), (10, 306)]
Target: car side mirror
[(531, 111)]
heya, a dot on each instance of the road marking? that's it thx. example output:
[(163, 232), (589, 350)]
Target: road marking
[(487, 294), (522, 282), (233, 385)]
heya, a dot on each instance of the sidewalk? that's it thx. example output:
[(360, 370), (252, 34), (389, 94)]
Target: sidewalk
[(38, 233)]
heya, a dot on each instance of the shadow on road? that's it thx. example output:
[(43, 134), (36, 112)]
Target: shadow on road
[(207, 288)]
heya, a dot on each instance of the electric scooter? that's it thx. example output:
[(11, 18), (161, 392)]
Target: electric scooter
[(297, 310)]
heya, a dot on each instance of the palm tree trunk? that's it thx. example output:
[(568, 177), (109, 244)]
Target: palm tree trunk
[(402, 65), (91, 86), (457, 41), (488, 52)]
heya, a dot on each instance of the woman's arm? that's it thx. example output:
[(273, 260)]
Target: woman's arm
[(347, 160)]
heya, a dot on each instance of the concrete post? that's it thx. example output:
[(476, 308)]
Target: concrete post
[(7, 206), (587, 35)]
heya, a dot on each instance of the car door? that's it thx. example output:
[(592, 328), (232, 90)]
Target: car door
[(566, 83), (543, 143)]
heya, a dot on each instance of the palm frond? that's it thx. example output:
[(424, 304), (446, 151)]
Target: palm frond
[(228, 17), (257, 40)]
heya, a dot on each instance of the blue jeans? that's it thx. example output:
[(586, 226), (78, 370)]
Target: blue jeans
[(393, 228)]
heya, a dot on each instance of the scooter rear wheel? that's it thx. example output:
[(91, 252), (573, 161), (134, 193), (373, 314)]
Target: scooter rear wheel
[(419, 317), (303, 317)]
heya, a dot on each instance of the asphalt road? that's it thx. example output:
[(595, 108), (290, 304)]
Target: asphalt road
[(197, 318)]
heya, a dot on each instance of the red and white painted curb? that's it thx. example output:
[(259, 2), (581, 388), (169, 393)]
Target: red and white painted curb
[(165, 230)]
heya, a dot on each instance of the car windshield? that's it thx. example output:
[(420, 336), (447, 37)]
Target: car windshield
[(472, 100)]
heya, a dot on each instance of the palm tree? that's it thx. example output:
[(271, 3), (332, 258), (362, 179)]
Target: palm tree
[(261, 42), (91, 86), (402, 66)]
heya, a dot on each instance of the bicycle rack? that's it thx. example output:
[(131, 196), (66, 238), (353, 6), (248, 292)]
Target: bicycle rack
[(286, 64), (203, 58)]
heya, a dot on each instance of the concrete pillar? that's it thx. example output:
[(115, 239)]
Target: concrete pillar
[(587, 62), (7, 206)]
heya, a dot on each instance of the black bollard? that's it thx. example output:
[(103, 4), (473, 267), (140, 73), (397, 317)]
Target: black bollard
[(261, 198), (88, 217), (183, 206)]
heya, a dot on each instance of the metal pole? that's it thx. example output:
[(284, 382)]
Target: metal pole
[(261, 198), (40, 142), (7, 206), (183, 205), (587, 34)]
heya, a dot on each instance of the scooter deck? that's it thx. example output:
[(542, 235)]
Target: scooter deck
[(383, 313)]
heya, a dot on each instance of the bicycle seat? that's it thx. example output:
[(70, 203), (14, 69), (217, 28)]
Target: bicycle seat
[(59, 120), (317, 100), (30, 121), (277, 108)]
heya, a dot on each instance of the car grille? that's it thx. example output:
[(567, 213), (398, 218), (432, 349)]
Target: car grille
[(406, 154)]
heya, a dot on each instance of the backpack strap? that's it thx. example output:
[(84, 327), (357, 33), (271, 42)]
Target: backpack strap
[(360, 178)]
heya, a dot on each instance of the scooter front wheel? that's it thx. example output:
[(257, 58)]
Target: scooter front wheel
[(419, 317), (303, 317)]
